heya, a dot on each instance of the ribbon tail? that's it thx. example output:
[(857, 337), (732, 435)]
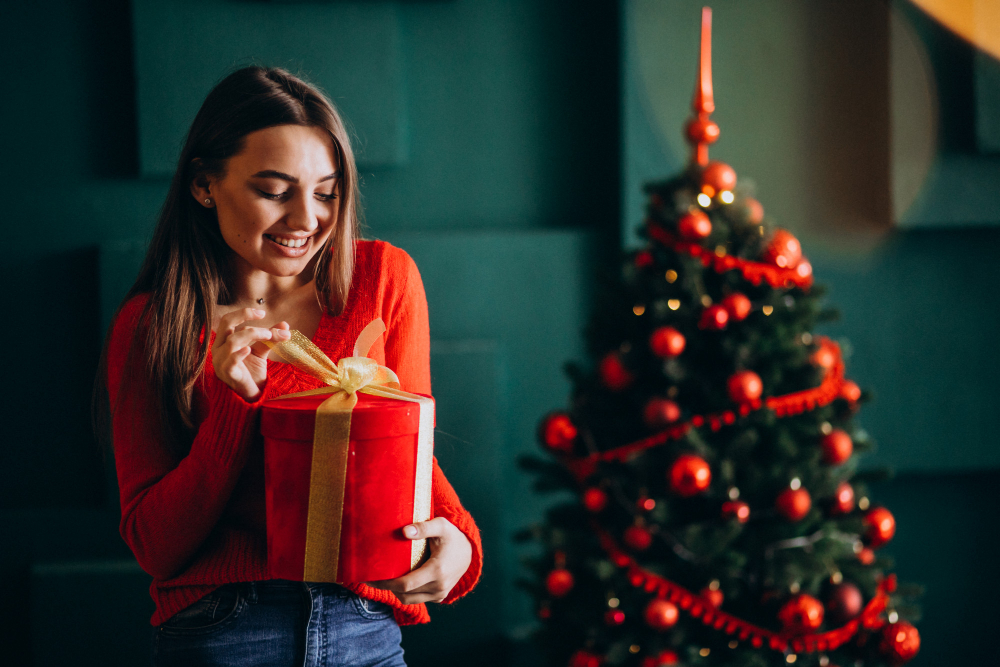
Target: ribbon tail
[(327, 480)]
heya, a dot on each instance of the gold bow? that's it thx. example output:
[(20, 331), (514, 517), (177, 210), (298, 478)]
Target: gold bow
[(331, 441)]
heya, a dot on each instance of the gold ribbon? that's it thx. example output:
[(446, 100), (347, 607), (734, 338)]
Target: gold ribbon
[(331, 441)]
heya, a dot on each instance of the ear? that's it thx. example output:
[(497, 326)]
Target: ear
[(201, 186)]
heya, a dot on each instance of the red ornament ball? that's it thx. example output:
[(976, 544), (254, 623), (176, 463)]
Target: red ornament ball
[(660, 412), (702, 130), (880, 526), (665, 658), (585, 659), (802, 614), (837, 447), (755, 212), (643, 258), (614, 375), (714, 597), (744, 387), (557, 432), (719, 176), (866, 556), (850, 391), (689, 475), (738, 306), (638, 538), (559, 582), (660, 614), (783, 250), (736, 509), (843, 499), (694, 226), (595, 499), (845, 602), (614, 617), (900, 642), (666, 342), (714, 318), (793, 504)]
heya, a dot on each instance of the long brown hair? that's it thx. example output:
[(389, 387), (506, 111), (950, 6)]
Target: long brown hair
[(187, 264)]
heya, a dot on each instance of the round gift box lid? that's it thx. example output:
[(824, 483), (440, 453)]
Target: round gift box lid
[(372, 417)]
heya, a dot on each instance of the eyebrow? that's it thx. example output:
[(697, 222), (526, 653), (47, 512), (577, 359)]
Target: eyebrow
[(271, 173)]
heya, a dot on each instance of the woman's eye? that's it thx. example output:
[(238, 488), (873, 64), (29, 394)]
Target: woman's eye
[(270, 195), (329, 197)]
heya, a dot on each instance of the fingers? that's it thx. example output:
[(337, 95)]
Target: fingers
[(250, 335), (438, 527), (425, 584), (229, 321), (277, 335)]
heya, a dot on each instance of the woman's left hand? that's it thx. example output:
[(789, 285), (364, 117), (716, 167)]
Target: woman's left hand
[(450, 557)]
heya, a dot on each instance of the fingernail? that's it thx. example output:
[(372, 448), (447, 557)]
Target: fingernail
[(284, 333), (258, 313), (410, 531)]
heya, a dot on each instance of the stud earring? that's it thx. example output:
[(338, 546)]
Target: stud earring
[(208, 202)]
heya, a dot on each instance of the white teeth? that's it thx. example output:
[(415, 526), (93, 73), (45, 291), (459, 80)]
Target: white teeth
[(289, 243)]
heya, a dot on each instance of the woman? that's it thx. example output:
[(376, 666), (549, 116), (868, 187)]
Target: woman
[(257, 237)]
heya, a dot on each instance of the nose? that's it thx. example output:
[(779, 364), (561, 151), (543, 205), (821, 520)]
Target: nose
[(302, 214)]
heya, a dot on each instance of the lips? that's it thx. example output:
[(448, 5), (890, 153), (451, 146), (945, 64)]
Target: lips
[(288, 246), (288, 241)]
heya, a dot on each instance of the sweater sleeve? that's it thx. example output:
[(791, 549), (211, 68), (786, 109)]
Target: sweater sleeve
[(407, 351), (170, 503)]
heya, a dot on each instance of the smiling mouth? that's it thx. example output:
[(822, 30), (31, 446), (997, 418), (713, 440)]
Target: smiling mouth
[(288, 242)]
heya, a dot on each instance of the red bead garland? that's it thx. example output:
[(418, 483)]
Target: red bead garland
[(734, 626)]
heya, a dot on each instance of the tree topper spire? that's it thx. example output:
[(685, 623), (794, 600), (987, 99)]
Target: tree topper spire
[(700, 130)]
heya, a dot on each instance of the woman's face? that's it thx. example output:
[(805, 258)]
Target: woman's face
[(278, 201)]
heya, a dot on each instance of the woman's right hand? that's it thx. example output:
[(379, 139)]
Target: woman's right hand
[(239, 354)]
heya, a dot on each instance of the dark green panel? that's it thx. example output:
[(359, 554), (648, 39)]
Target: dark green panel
[(947, 529), (923, 340), (513, 112), (529, 292), (101, 610), (352, 51), (987, 82), (469, 445)]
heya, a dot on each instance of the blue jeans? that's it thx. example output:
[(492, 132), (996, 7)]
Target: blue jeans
[(283, 623)]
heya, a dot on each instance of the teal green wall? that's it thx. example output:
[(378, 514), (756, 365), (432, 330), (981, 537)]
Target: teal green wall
[(802, 93), (488, 142)]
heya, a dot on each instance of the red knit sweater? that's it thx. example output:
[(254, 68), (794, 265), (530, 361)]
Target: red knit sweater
[(198, 521)]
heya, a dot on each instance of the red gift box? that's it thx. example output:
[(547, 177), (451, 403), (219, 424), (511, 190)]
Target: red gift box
[(379, 490)]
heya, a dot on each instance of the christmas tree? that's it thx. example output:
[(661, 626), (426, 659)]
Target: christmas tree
[(717, 516)]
